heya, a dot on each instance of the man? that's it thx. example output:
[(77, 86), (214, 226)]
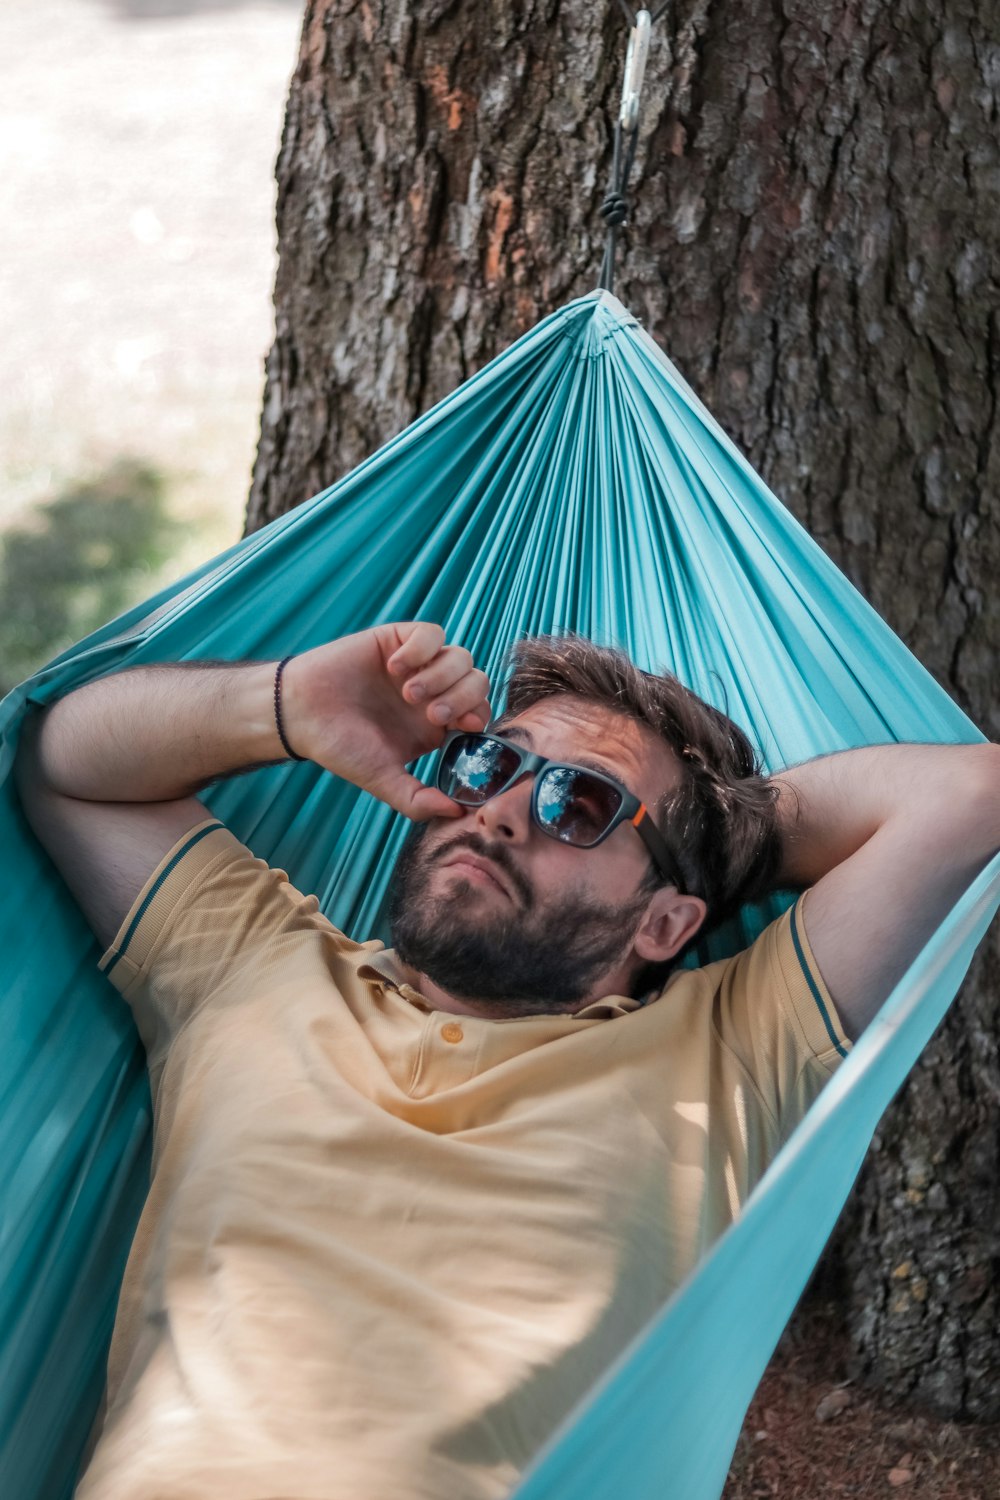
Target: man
[(407, 1205)]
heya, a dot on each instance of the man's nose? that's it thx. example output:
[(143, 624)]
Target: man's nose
[(507, 816)]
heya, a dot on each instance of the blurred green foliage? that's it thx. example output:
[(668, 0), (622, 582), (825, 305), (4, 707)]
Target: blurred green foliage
[(79, 560)]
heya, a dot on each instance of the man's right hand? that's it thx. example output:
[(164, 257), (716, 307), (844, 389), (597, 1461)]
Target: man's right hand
[(367, 705), (107, 775)]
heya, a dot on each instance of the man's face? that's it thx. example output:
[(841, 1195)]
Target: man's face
[(495, 911)]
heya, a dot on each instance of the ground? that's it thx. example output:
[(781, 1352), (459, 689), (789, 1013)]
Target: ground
[(137, 146), (811, 1434)]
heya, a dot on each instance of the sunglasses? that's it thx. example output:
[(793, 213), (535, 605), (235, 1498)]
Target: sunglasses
[(569, 803)]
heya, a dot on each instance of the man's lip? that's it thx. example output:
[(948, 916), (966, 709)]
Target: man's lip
[(485, 865)]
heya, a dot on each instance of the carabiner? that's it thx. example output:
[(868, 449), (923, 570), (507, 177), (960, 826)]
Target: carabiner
[(635, 69)]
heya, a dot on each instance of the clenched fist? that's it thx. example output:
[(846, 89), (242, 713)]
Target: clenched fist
[(368, 704)]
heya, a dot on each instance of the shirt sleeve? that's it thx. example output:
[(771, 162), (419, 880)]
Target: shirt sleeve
[(775, 1013), (205, 913)]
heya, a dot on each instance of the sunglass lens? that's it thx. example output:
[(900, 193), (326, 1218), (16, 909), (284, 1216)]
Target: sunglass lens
[(475, 768), (574, 805)]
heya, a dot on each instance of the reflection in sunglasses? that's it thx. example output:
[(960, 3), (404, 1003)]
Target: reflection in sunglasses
[(475, 768), (555, 791)]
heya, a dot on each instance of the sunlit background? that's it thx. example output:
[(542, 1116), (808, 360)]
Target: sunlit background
[(137, 257)]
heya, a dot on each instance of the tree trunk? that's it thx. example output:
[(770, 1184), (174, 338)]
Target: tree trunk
[(814, 239)]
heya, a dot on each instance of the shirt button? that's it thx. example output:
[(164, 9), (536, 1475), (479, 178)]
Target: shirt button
[(452, 1032)]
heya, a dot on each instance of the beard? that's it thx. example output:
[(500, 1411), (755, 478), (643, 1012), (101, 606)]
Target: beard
[(541, 957)]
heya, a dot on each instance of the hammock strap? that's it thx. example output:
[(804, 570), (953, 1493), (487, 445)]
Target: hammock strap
[(614, 209)]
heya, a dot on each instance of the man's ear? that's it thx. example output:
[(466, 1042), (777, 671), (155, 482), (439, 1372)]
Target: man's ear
[(670, 922)]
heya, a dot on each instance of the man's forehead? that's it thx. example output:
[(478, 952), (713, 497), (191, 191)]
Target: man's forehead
[(581, 731)]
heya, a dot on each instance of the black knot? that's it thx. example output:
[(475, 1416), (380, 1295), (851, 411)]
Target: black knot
[(614, 209)]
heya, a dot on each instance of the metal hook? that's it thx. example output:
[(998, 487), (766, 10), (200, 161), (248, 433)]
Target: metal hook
[(614, 209), (635, 69)]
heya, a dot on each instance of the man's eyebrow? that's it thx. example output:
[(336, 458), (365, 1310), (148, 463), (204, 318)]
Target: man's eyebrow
[(511, 732), (515, 732)]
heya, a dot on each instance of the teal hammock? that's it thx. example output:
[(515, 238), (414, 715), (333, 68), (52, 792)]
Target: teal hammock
[(578, 483)]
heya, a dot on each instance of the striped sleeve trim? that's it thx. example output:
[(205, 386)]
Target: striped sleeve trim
[(120, 950), (823, 1008)]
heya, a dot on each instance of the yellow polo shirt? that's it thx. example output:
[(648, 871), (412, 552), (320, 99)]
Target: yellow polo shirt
[(385, 1248)]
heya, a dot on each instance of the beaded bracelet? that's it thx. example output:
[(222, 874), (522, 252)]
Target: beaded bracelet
[(277, 711)]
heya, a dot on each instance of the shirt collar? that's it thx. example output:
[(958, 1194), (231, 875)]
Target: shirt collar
[(383, 965)]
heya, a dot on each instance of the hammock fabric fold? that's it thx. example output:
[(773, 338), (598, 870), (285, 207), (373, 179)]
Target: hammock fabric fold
[(575, 483)]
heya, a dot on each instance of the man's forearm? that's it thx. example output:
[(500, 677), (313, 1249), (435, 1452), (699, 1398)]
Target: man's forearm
[(829, 807), (157, 733)]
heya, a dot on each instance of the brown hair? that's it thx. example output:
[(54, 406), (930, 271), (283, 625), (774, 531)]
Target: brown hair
[(720, 823)]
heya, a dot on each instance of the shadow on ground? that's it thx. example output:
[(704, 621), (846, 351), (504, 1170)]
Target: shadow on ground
[(80, 559)]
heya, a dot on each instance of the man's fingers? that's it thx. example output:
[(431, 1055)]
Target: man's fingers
[(476, 719), (422, 640), (449, 666), (409, 796), (449, 685), (447, 681), (461, 698)]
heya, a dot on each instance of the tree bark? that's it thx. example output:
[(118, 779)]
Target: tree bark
[(814, 238)]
